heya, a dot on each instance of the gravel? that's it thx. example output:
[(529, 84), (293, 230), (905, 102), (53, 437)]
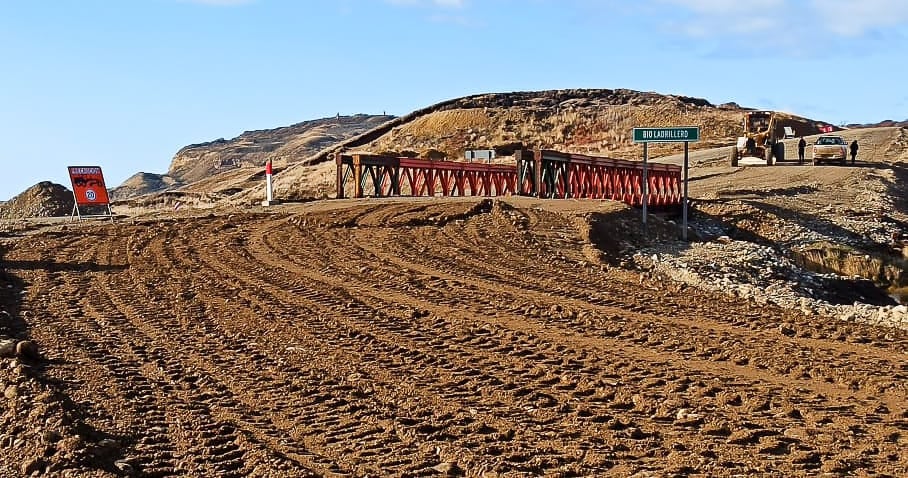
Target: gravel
[(765, 275)]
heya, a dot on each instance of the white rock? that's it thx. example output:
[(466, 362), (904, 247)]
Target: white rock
[(7, 348)]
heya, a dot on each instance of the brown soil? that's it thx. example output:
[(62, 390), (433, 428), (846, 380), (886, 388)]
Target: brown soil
[(420, 338), (44, 199)]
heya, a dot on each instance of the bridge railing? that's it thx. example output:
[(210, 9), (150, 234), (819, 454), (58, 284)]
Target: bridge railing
[(538, 173), (557, 175), (361, 175)]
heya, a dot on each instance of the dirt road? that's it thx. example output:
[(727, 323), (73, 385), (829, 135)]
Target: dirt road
[(423, 338)]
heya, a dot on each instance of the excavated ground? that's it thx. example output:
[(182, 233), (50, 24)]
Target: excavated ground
[(420, 338)]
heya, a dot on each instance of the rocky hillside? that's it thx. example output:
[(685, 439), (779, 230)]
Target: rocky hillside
[(281, 145), (590, 121), (142, 183), (284, 145), (45, 199), (597, 121)]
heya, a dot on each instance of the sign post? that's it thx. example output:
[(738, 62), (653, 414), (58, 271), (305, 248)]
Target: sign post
[(645, 185), (681, 134), (89, 190)]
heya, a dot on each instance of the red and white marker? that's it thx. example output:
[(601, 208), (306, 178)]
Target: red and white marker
[(269, 199)]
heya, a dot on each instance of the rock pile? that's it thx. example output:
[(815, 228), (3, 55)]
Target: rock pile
[(44, 199), (764, 275)]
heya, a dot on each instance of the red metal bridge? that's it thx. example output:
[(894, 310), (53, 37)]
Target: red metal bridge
[(539, 173), (557, 175), (381, 176)]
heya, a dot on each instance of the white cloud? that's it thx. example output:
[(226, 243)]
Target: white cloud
[(792, 28), (739, 9), (716, 18), (854, 18), (791, 18)]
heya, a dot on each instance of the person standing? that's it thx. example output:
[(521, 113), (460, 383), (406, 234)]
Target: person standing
[(750, 146), (854, 150), (801, 145)]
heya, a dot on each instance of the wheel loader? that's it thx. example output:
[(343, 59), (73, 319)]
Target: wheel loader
[(763, 132)]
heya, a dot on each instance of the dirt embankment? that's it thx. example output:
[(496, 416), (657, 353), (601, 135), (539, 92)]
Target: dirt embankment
[(422, 338), (44, 199)]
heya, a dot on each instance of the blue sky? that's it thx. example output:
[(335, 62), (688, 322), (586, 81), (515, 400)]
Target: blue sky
[(125, 83)]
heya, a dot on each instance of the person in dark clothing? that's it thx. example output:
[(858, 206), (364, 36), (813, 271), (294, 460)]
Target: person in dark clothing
[(801, 145), (750, 146), (854, 150)]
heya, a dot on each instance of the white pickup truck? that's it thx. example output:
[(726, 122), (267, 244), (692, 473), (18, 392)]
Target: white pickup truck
[(830, 148)]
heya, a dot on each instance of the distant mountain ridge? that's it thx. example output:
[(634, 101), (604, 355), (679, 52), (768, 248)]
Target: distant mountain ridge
[(881, 124), (283, 145)]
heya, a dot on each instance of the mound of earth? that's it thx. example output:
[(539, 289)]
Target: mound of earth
[(45, 199), (143, 183)]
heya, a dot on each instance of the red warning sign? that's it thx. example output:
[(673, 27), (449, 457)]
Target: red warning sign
[(88, 186)]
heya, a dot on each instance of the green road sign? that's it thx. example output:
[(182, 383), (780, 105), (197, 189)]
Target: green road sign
[(667, 135)]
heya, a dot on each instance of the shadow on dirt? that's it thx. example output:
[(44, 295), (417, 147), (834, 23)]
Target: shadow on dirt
[(614, 233), (710, 176), (11, 324), (898, 189), (61, 267), (96, 449), (783, 192)]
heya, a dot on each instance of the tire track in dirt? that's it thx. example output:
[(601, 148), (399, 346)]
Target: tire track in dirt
[(590, 292), (346, 310), (723, 347), (88, 320), (442, 342), (105, 333), (216, 448), (315, 417), (209, 362), (256, 346), (341, 259)]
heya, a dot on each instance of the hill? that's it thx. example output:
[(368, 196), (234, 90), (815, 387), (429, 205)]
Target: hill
[(284, 145), (882, 124), (591, 121), (143, 183), (45, 199)]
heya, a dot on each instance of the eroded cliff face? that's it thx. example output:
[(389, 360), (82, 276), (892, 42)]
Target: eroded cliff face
[(253, 148)]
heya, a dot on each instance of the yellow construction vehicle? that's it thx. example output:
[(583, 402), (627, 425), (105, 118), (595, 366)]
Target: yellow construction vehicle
[(763, 134)]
